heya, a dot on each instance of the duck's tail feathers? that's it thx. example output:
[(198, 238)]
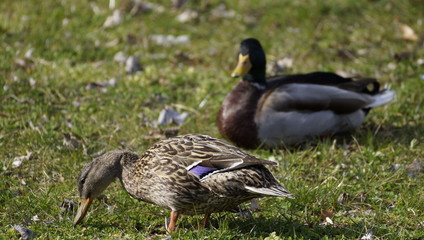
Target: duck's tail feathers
[(276, 190), (382, 98)]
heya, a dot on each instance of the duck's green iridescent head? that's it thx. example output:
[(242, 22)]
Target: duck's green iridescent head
[(251, 61)]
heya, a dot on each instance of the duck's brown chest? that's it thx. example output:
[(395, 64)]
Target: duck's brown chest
[(235, 119)]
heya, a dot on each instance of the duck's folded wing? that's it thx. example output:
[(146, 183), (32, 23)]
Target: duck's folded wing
[(313, 97), (194, 149)]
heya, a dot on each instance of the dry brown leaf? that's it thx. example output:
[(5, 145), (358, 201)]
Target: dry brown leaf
[(327, 213), (326, 216)]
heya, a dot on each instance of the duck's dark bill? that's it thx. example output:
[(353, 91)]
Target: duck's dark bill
[(82, 209)]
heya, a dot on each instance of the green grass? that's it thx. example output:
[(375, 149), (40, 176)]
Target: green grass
[(352, 175)]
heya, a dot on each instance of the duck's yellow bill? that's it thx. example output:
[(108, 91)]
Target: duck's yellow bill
[(243, 66), (82, 209)]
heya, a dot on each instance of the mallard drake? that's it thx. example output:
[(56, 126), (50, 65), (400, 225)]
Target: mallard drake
[(290, 109), (188, 174)]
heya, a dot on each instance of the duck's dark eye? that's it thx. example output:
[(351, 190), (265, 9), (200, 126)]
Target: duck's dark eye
[(82, 181)]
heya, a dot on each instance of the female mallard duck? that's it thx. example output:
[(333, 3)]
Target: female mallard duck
[(189, 174), (290, 109)]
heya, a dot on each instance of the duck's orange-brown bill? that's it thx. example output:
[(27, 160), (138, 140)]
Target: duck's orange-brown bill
[(82, 209), (243, 66)]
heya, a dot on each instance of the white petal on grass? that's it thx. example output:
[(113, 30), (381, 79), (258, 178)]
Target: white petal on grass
[(25, 232)]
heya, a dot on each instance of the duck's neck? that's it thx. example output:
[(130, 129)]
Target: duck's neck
[(256, 75), (236, 117)]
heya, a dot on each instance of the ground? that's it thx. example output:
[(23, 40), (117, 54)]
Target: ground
[(65, 98)]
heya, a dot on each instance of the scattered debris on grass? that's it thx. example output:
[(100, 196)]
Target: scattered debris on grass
[(169, 115), (101, 86), (362, 196), (132, 65), (255, 205), (184, 58), (281, 65), (113, 20), (168, 40), (35, 218), (68, 206), (405, 55), (162, 133), (415, 168), (120, 57), (395, 167), (368, 236), (24, 63), (136, 7), (272, 236), (71, 141), (342, 197), (408, 33), (95, 8), (412, 170), (25, 232), (17, 161), (187, 16), (203, 102), (29, 52), (357, 212), (326, 217), (178, 3), (222, 12)]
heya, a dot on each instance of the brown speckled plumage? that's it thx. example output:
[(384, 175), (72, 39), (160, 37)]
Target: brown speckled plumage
[(161, 176)]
